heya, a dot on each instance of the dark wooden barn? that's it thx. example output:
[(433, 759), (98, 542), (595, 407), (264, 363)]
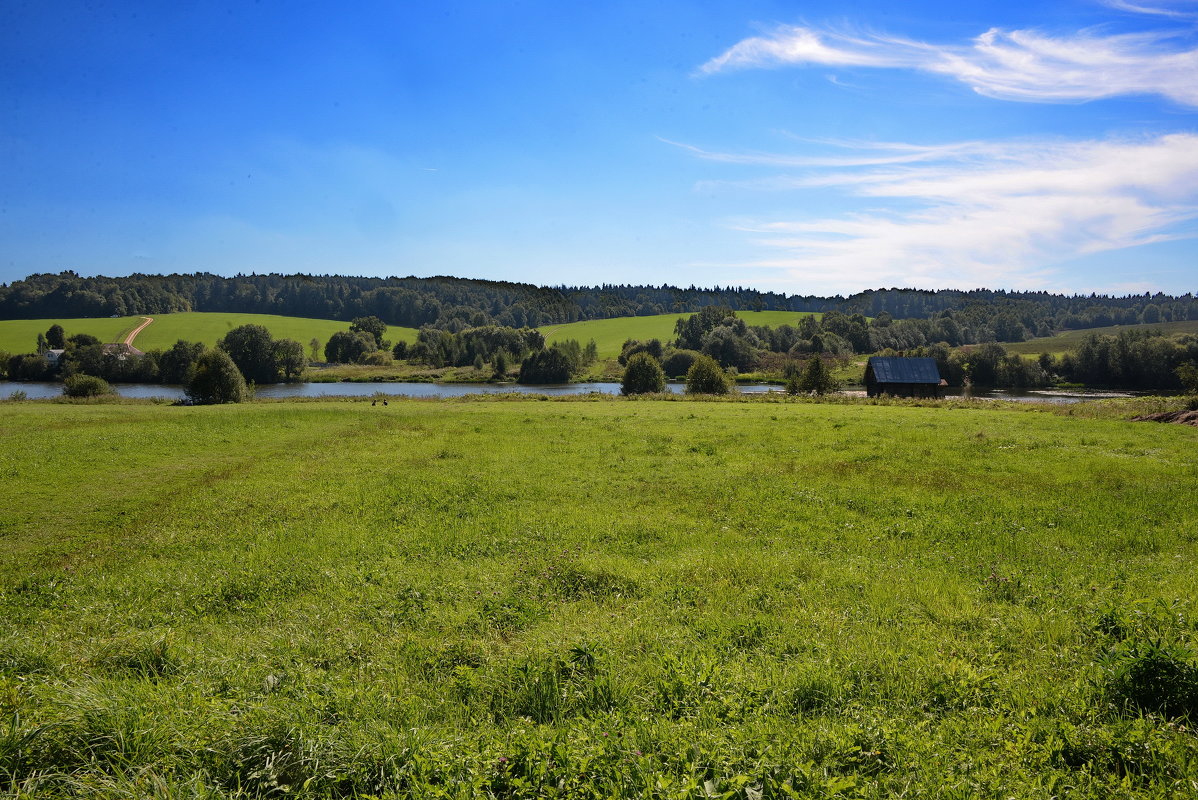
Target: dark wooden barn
[(903, 377)]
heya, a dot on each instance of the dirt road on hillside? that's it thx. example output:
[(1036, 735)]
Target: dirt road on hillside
[(133, 333)]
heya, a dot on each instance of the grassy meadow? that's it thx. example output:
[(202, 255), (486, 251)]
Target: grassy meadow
[(208, 327), (20, 336), (594, 598), (610, 334), (1070, 340)]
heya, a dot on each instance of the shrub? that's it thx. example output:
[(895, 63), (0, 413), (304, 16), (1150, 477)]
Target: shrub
[(678, 362), (706, 377), (816, 377), (379, 358), (216, 379), (85, 386), (642, 375)]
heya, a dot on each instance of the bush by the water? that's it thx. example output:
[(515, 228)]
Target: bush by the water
[(706, 377), (85, 386), (216, 379), (643, 375)]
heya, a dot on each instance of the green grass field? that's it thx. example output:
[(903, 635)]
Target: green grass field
[(207, 327), (20, 335), (600, 598), (1069, 340), (610, 334)]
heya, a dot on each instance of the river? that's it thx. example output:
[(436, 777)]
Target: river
[(37, 389)]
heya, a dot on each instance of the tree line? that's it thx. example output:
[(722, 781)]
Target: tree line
[(244, 356), (1132, 359), (455, 304), (714, 337)]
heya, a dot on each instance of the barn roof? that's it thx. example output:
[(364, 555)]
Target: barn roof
[(904, 370)]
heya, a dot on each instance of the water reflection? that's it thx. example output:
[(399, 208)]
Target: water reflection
[(146, 390)]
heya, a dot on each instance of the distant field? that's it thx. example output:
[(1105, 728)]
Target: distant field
[(610, 334), (20, 335), (1069, 340), (207, 327)]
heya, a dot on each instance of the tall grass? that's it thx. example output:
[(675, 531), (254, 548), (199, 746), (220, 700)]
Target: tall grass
[(593, 599)]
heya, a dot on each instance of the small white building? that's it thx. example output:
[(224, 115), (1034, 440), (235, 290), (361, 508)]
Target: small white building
[(53, 356)]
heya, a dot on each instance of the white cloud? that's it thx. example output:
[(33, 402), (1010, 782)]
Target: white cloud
[(1014, 65), (983, 213), (1178, 9)]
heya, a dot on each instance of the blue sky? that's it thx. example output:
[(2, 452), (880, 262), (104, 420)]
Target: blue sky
[(813, 148)]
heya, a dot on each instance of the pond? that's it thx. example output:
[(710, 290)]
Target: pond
[(37, 389)]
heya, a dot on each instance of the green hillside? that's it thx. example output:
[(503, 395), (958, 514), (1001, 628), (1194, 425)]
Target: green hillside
[(20, 335), (1069, 340), (610, 334), (207, 327)]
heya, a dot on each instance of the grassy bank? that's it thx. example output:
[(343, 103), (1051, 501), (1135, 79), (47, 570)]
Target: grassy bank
[(594, 598)]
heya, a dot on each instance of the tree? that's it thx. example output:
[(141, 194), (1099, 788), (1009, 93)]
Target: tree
[(349, 347), (793, 376), (85, 386), (816, 378), (677, 362), (690, 330), (498, 366), (728, 348), (289, 357), (314, 349), (633, 346), (216, 379), (372, 325), (545, 366), (643, 375), (56, 337), (252, 350), (1188, 375), (706, 377), (174, 366)]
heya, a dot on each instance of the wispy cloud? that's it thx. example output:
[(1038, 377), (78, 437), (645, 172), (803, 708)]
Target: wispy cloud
[(1178, 9), (1014, 65), (982, 213)]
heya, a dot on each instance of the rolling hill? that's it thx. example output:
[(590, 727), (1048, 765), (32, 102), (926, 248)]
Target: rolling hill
[(610, 334), (20, 336), (1069, 340)]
